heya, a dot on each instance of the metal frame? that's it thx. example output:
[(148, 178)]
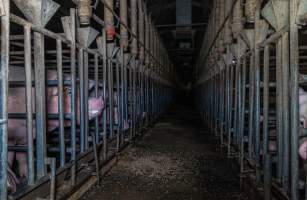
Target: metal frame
[(236, 86), (143, 91)]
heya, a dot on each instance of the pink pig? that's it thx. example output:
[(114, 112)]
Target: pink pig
[(17, 104)]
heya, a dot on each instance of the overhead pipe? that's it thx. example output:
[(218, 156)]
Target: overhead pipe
[(133, 18), (237, 19), (141, 29), (250, 9), (84, 11), (123, 29), (109, 20), (147, 38)]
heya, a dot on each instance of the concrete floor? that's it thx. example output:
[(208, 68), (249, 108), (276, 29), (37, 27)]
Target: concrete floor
[(177, 159)]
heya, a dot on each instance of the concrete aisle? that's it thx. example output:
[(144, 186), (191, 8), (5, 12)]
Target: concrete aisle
[(177, 159)]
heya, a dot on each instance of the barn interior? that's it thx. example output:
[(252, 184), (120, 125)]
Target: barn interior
[(153, 99)]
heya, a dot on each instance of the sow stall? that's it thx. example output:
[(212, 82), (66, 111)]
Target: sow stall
[(80, 87), (252, 83)]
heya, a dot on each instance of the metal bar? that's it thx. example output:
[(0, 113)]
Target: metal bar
[(95, 134), (82, 99), (279, 110), (118, 113), (5, 31), (285, 108), (85, 93), (251, 107), (104, 114), (96, 75), (294, 113), (40, 102), (110, 94), (61, 103), (257, 92), (29, 110), (73, 95), (266, 157)]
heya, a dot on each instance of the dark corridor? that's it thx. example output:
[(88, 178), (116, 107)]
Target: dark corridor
[(177, 159)]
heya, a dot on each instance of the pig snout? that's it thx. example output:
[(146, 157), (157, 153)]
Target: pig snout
[(303, 150), (95, 105)]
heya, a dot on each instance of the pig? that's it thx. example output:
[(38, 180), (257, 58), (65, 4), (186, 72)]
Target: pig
[(17, 104), (116, 113), (303, 120), (303, 107)]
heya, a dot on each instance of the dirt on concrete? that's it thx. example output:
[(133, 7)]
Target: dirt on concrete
[(177, 159)]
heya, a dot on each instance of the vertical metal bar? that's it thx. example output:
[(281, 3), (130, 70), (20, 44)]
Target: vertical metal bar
[(29, 110), (242, 115), (73, 95), (125, 86), (279, 110), (110, 91), (257, 92), (85, 93), (266, 155), (40, 103), (131, 99), (109, 21), (122, 95), (251, 107), (117, 83), (61, 103), (104, 77), (236, 105), (285, 108), (224, 102), (227, 100), (134, 71), (94, 135), (82, 100), (96, 60), (239, 102), (5, 33), (230, 113), (294, 60)]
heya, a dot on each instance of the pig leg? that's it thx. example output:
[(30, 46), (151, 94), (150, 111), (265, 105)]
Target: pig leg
[(21, 158), (10, 155), (12, 181)]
